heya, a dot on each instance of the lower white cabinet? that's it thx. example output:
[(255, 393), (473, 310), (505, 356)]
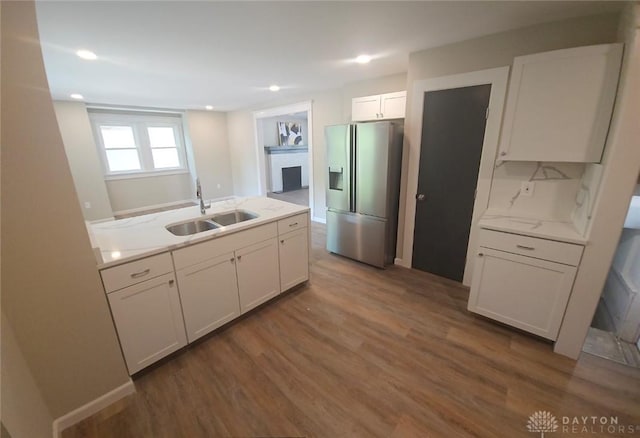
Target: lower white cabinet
[(149, 321), (521, 290), (294, 258), (258, 279), (209, 295)]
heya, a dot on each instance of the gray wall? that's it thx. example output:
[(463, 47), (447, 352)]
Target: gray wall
[(82, 155), (51, 292), (207, 132)]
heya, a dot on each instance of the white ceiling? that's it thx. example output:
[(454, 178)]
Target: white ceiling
[(181, 54)]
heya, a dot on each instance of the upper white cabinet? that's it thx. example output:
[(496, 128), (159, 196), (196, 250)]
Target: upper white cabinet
[(378, 107), (559, 104)]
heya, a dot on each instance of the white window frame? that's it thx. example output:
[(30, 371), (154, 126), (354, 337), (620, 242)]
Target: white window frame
[(139, 123)]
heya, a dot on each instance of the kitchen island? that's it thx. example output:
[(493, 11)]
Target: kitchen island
[(166, 291)]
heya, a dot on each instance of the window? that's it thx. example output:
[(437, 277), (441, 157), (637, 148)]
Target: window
[(138, 144)]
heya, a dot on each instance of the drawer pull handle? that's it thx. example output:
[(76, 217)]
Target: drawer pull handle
[(529, 248), (480, 255), (293, 224), (141, 273)]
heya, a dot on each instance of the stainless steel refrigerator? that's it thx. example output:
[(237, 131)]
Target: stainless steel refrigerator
[(363, 190)]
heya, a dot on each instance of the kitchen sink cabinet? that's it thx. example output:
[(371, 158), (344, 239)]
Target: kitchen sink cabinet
[(258, 270), (209, 295), (294, 258), (148, 319), (514, 285)]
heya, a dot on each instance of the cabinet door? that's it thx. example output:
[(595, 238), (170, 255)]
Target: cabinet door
[(523, 292), (559, 104), (294, 258), (209, 295), (258, 274), (149, 321), (365, 108), (392, 105)]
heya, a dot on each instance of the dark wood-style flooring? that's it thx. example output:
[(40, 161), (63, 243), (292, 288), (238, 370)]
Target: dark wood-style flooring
[(361, 352)]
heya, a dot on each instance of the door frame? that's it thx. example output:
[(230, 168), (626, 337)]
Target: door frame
[(259, 148), (497, 78)]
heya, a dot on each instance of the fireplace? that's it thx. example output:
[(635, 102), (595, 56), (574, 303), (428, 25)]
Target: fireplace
[(291, 178)]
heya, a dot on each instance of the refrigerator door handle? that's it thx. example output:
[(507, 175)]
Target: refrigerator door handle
[(353, 154)]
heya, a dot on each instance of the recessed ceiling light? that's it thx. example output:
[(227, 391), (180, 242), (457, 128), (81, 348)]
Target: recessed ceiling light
[(86, 54), (274, 88), (77, 96), (363, 59), (208, 107)]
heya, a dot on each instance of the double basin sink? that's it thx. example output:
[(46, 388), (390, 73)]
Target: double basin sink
[(199, 225)]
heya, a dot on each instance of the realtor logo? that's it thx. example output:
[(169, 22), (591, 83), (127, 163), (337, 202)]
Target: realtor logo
[(542, 421)]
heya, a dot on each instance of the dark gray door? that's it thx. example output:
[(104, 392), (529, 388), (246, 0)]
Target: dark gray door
[(453, 124)]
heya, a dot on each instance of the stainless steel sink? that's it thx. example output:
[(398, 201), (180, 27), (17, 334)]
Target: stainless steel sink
[(193, 227), (233, 217), (210, 223)]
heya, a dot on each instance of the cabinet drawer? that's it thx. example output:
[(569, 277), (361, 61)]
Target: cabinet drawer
[(561, 252), (130, 273), (292, 223), (216, 247)]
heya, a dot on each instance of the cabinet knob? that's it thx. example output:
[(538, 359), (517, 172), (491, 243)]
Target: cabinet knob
[(171, 282), (282, 241), (232, 260), (239, 258), (480, 254), (503, 153)]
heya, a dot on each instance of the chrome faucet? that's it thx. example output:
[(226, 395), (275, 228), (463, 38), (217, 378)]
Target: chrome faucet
[(203, 207)]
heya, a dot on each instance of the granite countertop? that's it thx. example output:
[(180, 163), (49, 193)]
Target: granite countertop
[(129, 239), (562, 231)]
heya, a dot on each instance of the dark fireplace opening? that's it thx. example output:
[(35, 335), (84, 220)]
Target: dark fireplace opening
[(291, 178)]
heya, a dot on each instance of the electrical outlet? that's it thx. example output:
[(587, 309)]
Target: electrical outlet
[(87, 205), (526, 189)]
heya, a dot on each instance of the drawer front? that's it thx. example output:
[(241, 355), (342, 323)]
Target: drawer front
[(131, 273), (561, 252), (293, 223), (213, 248)]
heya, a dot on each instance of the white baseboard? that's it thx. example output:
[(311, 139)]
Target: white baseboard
[(319, 220), (400, 262), (87, 410), (151, 207)]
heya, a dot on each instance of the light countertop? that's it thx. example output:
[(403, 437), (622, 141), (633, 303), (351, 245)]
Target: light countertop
[(129, 239), (633, 215), (562, 231)]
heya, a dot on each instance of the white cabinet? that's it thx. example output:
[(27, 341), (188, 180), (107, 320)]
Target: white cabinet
[(258, 274), (559, 104), (209, 295), (148, 320), (294, 258), (378, 107), (511, 284)]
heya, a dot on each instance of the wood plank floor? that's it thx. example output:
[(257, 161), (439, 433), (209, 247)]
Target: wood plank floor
[(361, 352)]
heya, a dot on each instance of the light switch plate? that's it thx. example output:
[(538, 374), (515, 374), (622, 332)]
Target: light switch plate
[(526, 188)]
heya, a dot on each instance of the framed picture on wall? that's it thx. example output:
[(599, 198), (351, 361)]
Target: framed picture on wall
[(289, 133)]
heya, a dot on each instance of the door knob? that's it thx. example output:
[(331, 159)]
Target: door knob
[(420, 196)]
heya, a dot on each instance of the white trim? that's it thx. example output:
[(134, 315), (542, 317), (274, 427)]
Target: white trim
[(320, 220), (152, 207), (99, 221), (401, 262), (145, 174), (94, 406), (281, 111), (497, 77)]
